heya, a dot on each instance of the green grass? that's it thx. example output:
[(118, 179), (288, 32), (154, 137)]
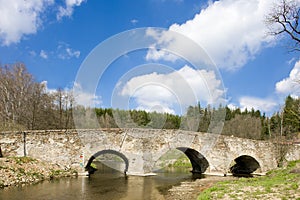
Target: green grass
[(55, 173), (279, 181), (21, 160), (182, 162)]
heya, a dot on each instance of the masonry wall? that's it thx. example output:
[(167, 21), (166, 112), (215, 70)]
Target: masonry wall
[(55, 146), (142, 147)]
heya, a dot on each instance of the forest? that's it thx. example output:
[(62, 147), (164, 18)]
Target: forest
[(25, 104)]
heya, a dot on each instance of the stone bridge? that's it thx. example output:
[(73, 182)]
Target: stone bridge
[(141, 149)]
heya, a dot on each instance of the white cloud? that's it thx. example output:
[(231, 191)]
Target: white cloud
[(19, 18), (67, 11), (43, 54), (81, 98), (134, 21), (232, 106), (48, 90), (164, 92), (72, 53), (231, 31), (265, 105), (291, 84), (84, 98), (64, 51), (155, 54)]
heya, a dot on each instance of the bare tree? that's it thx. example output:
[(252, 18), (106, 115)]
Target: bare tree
[(284, 19), (15, 89), (24, 103), (63, 100)]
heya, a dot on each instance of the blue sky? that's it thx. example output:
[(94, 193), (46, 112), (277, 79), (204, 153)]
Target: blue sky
[(53, 38)]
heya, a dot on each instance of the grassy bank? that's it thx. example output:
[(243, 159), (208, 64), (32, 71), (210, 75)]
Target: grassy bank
[(174, 159), (24, 170), (277, 184)]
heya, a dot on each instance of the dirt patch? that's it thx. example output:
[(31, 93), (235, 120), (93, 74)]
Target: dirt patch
[(191, 190)]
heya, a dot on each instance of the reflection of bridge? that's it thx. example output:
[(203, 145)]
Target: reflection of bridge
[(141, 148)]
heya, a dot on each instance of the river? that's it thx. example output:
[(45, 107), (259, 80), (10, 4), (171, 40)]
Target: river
[(105, 184)]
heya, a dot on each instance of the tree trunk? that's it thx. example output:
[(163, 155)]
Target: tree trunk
[(1, 155)]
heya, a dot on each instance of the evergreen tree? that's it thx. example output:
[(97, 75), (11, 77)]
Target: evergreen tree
[(291, 116)]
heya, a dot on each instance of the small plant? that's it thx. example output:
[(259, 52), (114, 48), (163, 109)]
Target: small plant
[(25, 159), (93, 165), (55, 173), (37, 175), (21, 170)]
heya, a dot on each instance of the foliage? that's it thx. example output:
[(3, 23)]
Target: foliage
[(93, 165), (182, 162), (291, 116)]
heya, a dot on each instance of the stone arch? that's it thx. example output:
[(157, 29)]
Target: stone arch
[(244, 164), (91, 170), (199, 162)]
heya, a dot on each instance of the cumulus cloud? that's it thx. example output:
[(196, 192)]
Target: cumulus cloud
[(19, 18), (65, 52), (48, 90), (43, 54), (81, 98), (72, 53), (68, 9), (231, 31), (84, 98), (232, 106), (155, 55), (164, 92), (291, 84), (265, 105)]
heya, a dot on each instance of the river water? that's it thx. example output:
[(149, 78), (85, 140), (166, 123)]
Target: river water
[(105, 184)]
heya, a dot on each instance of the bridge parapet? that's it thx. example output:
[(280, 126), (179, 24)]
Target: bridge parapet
[(141, 147)]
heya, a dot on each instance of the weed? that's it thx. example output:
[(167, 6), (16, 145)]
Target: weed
[(55, 173)]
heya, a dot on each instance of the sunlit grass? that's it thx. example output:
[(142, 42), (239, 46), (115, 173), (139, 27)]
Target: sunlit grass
[(279, 183)]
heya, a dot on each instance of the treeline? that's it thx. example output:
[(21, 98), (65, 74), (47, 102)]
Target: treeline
[(285, 123), (25, 104)]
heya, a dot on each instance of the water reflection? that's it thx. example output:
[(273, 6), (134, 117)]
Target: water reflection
[(105, 184)]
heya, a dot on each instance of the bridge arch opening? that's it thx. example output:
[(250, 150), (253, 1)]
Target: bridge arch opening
[(244, 165), (198, 161), (91, 169)]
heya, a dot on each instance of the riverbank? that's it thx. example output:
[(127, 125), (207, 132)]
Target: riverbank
[(190, 190), (281, 184), (278, 184), (25, 170)]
